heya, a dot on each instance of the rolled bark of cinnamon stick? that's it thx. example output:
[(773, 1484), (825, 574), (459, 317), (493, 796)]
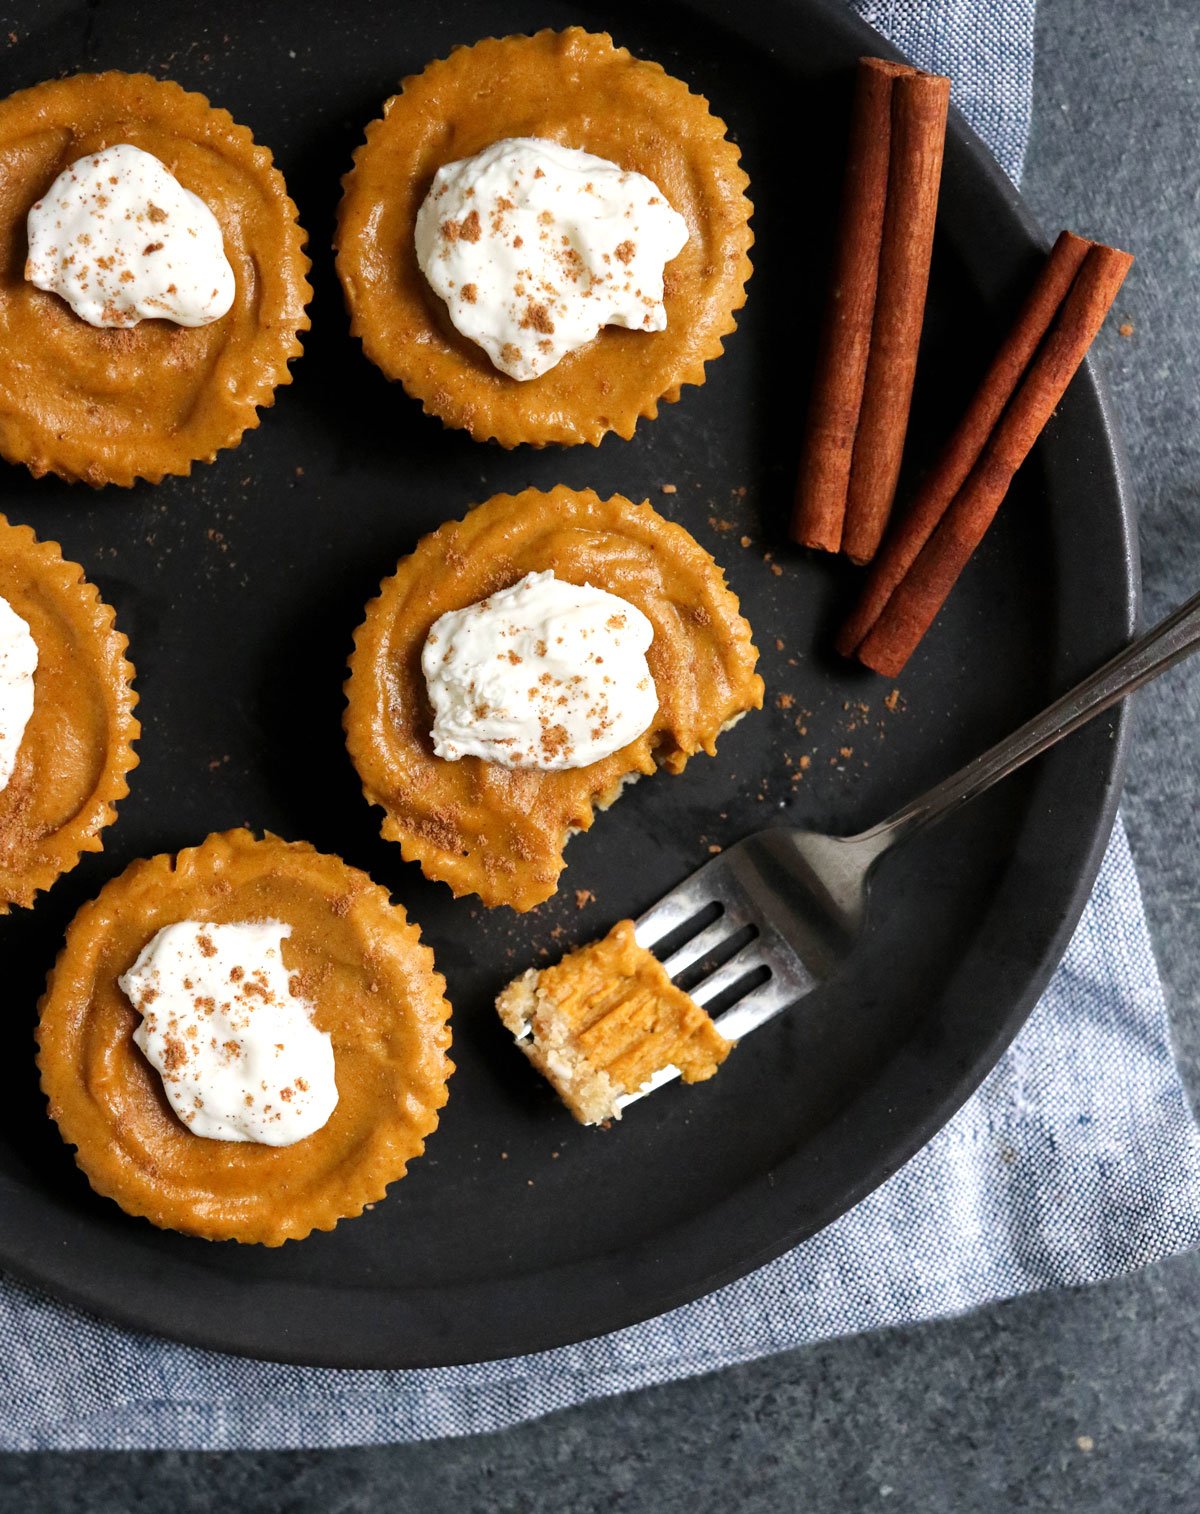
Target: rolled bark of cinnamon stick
[(922, 592), (841, 371), (962, 451), (918, 136)]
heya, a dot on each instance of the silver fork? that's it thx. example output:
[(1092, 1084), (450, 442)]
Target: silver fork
[(804, 894)]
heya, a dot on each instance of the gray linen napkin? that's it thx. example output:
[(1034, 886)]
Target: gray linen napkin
[(986, 46), (1077, 1159)]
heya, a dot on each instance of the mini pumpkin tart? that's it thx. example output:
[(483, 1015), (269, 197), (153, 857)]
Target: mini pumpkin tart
[(526, 662), (543, 237), (246, 1041), (66, 715), (152, 279)]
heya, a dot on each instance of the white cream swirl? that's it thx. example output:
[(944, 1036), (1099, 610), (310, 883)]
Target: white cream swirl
[(18, 664), (121, 240), (546, 674), (237, 1051), (534, 247)]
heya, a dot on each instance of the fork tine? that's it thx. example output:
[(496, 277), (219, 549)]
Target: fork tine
[(767, 881), (758, 1006), (673, 910), (711, 883), (746, 961), (755, 1009), (739, 1020), (666, 1074), (727, 924)]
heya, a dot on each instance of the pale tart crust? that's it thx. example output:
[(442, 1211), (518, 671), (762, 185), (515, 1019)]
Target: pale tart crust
[(358, 961), (499, 832), (77, 750), (576, 88), (113, 406)]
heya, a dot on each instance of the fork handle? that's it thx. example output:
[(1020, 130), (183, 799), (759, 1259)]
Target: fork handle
[(1158, 649)]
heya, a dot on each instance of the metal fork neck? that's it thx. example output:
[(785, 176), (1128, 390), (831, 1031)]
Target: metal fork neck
[(1160, 648)]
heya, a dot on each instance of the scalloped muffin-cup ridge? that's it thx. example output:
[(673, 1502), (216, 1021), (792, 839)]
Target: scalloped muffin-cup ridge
[(110, 406), (576, 88), (358, 960), (74, 759), (499, 832)]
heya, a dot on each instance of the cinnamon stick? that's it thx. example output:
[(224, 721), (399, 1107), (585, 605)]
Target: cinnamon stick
[(918, 135), (922, 592), (841, 370), (961, 452)]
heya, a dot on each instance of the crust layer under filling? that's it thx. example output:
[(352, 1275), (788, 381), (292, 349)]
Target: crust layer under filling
[(604, 1020)]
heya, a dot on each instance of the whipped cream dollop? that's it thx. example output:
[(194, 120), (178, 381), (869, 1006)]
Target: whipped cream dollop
[(18, 664), (547, 674), (238, 1053), (534, 247), (121, 240)]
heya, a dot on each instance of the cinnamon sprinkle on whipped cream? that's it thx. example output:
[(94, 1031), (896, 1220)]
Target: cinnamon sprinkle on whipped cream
[(235, 1046), (545, 674), (534, 247), (122, 241)]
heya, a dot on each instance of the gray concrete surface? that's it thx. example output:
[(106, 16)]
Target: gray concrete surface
[(1073, 1400)]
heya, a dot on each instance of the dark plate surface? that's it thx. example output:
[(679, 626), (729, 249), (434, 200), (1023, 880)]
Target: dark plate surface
[(240, 588)]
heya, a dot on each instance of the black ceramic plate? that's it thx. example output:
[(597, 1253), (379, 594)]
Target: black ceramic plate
[(240, 587)]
